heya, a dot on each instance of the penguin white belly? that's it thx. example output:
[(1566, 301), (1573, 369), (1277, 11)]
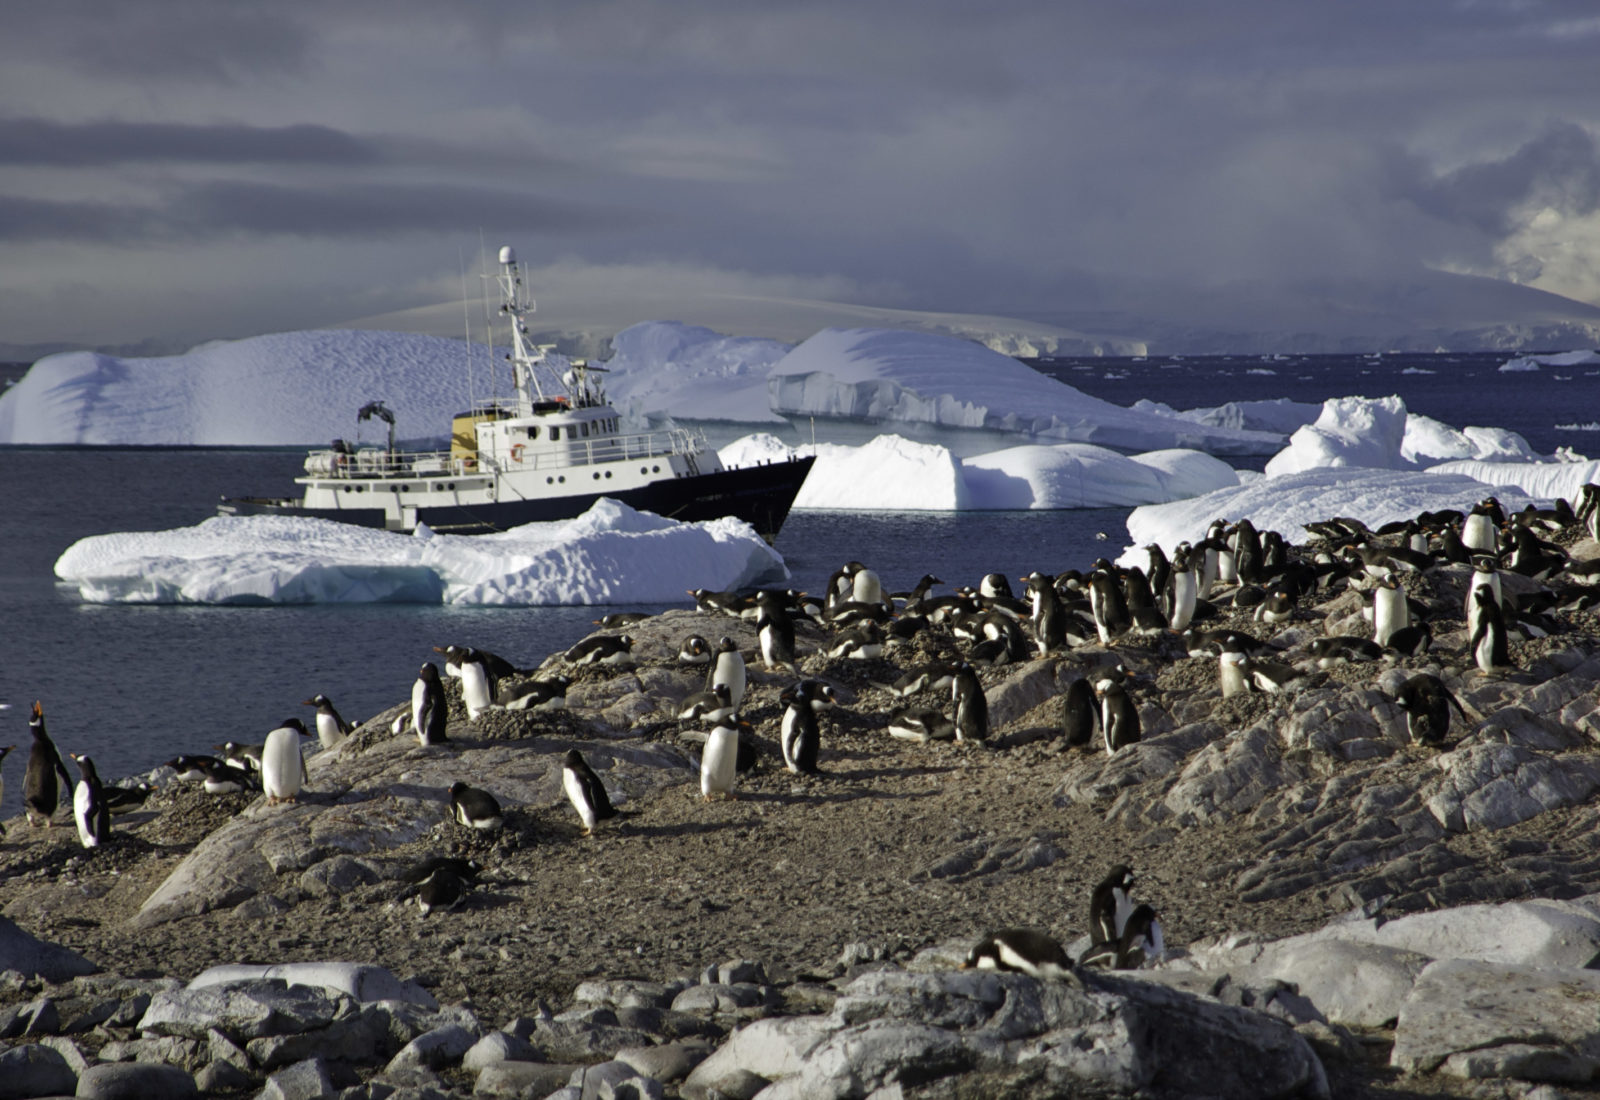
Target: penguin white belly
[(475, 689), (786, 737), (730, 671), (328, 732), (82, 808), (1231, 675), (281, 765), (419, 699), (579, 798), (717, 762), (1185, 589), (866, 587), (1477, 533), (1389, 613)]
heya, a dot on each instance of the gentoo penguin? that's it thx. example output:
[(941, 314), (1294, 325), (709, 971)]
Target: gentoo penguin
[(865, 587), (283, 766), (223, 778), (497, 667), (1022, 950), (695, 650), (725, 603), (585, 791), (934, 677), (428, 708), (1233, 677), (546, 693), (727, 667), (1412, 641), (800, 734), (707, 706), (1119, 718), (332, 729), (40, 791), (1342, 649), (1490, 649), (719, 759), (1159, 573), (191, 768), (860, 643), (1142, 941), (1389, 609), (1108, 605), (920, 724), (236, 754), (971, 715), (126, 798), (605, 649), (1247, 555), (475, 808), (442, 889), (1278, 607), (1484, 575), (911, 601), (1110, 904), (995, 585), (1183, 589), (464, 869), (1479, 531), (1143, 614), (775, 632), (89, 805), (1427, 703), (620, 619), (1048, 618), (477, 687), (1079, 714), (1273, 677)]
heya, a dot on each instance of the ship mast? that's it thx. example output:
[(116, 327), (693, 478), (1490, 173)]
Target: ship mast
[(524, 357)]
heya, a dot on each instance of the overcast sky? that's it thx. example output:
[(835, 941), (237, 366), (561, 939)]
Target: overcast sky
[(183, 169)]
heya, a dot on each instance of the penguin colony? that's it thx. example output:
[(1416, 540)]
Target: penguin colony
[(1138, 619)]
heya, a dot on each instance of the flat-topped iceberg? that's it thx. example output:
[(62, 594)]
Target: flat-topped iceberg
[(611, 554), (659, 370), (890, 376), (894, 474)]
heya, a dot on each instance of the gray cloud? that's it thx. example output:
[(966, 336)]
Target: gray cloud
[(1559, 169), (42, 142)]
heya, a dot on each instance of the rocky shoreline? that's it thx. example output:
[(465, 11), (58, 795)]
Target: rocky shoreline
[(1352, 913)]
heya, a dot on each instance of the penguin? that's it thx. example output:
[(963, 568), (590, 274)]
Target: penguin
[(1412, 641), (775, 632), (1079, 714), (1143, 943), (1389, 609), (865, 587), (1249, 597), (332, 729), (821, 694), (971, 715), (861, 643), (1490, 648), (126, 798), (442, 889), (618, 619), (719, 759), (1110, 904), (40, 791), (475, 808), (1143, 614), (1247, 554), (995, 585), (725, 603), (707, 706), (1484, 575), (283, 767), (1479, 531), (727, 667), (546, 693), (477, 687), (911, 601), (89, 805), (1278, 607), (800, 733), (920, 724), (428, 708), (236, 754), (464, 869), (934, 677), (1427, 703), (1021, 950), (191, 768), (1273, 677), (1233, 677), (1183, 591), (223, 778), (695, 650), (1048, 619), (497, 667), (1119, 718), (607, 649), (1342, 649), (1160, 571), (585, 791), (1108, 605)]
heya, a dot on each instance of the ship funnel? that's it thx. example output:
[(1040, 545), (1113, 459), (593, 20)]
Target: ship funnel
[(508, 255)]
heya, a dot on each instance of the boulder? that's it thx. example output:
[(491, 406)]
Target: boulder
[(1557, 934), (36, 958), (135, 1081), (1492, 786), (362, 982), (497, 1046), (512, 1080), (442, 1046), (34, 1070), (243, 1010), (308, 1080)]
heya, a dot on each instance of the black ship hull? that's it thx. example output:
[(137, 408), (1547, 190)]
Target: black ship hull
[(759, 495)]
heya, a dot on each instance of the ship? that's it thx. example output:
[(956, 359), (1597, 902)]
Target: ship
[(548, 452)]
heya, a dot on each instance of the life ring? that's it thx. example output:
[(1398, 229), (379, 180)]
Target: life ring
[(516, 453)]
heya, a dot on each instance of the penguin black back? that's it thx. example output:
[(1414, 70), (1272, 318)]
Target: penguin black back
[(1079, 715), (40, 791)]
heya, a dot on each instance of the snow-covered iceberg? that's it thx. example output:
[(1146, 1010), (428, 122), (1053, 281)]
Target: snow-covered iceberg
[(609, 555), (659, 370), (1541, 480), (1288, 502), (1277, 415), (895, 474), (1555, 359), (1379, 433), (889, 376)]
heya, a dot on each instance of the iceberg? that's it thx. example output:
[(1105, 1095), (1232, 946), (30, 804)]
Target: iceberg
[(1541, 480), (609, 555), (894, 377), (660, 370), (1286, 503), (1379, 433), (1555, 359), (1279, 415)]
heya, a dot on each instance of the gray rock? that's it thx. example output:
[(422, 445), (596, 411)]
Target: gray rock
[(1480, 1019), (859, 1060), (1534, 933), (741, 972), (135, 1081), (766, 1049), (247, 1010), (36, 958), (367, 1036), (518, 1079), (717, 997), (1492, 786), (590, 1080), (626, 994), (39, 1017), (363, 982), (34, 1070), (498, 1046), (68, 1050), (668, 1062), (220, 1048), (632, 1088), (222, 1077), (565, 1041), (338, 876), (306, 1080), (442, 1046)]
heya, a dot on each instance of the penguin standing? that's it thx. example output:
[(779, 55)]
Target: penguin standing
[(775, 631), (1160, 571), (475, 808), (585, 791), (1119, 718), (428, 708), (477, 687), (1108, 605), (1427, 703), (971, 705), (1022, 950), (1479, 532), (719, 759), (1143, 943), (1183, 589), (727, 667), (283, 767), (1049, 620), (1110, 904), (40, 791), (1079, 714), (89, 805), (1490, 648), (1247, 555), (1486, 576), (800, 733), (1390, 611), (1232, 668), (332, 729)]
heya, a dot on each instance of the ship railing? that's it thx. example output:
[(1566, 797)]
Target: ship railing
[(368, 463)]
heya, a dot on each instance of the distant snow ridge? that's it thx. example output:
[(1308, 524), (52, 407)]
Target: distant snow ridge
[(889, 375), (660, 369)]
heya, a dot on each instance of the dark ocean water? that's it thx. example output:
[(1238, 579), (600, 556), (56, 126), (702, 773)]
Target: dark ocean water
[(136, 685)]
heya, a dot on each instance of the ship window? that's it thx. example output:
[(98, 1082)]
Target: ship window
[(533, 432), (584, 430), (555, 432)]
